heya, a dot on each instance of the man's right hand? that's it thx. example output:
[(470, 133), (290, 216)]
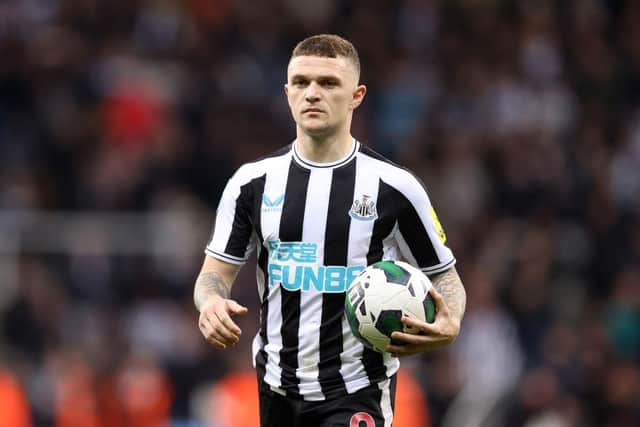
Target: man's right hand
[(215, 321)]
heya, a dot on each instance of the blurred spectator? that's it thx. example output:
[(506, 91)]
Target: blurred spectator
[(138, 394), (488, 355), (623, 315), (15, 406), (76, 403), (234, 400), (411, 407)]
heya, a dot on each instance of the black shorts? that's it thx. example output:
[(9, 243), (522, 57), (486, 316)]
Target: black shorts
[(371, 406)]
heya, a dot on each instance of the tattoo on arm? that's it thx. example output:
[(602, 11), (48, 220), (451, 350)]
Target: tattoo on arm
[(209, 284), (449, 285)]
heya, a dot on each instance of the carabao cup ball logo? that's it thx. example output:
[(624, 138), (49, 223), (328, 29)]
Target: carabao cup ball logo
[(379, 297)]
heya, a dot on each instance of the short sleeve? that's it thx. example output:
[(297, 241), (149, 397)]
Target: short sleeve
[(231, 240), (420, 236)]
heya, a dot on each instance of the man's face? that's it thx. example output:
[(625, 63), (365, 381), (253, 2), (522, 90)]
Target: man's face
[(322, 93)]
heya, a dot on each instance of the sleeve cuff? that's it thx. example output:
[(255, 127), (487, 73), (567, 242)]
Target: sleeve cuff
[(438, 268), (225, 257)]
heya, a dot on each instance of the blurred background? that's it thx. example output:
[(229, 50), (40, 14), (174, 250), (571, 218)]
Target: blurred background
[(121, 120)]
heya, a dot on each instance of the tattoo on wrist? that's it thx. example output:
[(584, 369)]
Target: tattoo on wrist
[(448, 284), (207, 285)]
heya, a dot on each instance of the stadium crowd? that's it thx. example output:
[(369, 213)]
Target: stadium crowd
[(522, 118)]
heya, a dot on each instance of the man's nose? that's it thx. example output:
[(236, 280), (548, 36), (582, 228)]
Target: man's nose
[(312, 93)]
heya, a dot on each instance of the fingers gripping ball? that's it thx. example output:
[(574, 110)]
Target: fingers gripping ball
[(378, 298)]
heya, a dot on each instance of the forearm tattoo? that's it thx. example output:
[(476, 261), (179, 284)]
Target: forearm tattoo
[(209, 284), (449, 285)]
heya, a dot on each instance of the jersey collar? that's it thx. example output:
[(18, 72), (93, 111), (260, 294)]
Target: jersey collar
[(310, 164)]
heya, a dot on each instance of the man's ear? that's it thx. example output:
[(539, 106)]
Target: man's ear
[(358, 97)]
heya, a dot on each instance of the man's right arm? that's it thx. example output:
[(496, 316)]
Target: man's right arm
[(211, 297), (216, 278)]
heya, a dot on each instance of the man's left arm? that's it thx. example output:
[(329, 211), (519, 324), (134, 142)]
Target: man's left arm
[(450, 300), (449, 285)]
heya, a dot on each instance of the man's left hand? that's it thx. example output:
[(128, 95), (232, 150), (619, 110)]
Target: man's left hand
[(443, 331)]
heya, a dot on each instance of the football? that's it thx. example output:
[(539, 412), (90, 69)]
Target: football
[(378, 298)]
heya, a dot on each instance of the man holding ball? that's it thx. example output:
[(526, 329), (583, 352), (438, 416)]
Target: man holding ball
[(318, 212)]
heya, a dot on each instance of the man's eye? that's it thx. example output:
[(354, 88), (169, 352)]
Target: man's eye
[(299, 82), (330, 83)]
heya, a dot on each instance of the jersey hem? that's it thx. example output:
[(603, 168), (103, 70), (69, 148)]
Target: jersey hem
[(316, 395), (225, 257), (438, 268)]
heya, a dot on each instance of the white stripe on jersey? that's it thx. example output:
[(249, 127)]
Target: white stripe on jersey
[(315, 218), (385, 402), (352, 369), (223, 227), (274, 371), (392, 364), (358, 248)]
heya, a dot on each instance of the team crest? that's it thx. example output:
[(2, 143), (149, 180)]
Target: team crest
[(364, 209)]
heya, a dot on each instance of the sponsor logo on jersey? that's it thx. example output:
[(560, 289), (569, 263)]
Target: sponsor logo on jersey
[(363, 209), (436, 223), (272, 205), (294, 266)]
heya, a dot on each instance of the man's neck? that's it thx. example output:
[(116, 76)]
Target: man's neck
[(324, 150)]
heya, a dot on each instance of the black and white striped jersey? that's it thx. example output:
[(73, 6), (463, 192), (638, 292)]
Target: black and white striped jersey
[(316, 226)]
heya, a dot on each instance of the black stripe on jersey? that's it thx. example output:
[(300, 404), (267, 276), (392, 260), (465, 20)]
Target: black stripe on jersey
[(393, 206), (291, 222), (392, 389), (264, 311), (336, 248), (383, 226), (261, 364), (414, 233), (261, 357), (242, 223)]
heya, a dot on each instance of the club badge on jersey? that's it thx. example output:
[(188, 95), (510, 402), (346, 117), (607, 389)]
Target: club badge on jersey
[(364, 209)]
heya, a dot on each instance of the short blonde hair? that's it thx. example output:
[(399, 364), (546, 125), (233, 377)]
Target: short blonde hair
[(328, 46)]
